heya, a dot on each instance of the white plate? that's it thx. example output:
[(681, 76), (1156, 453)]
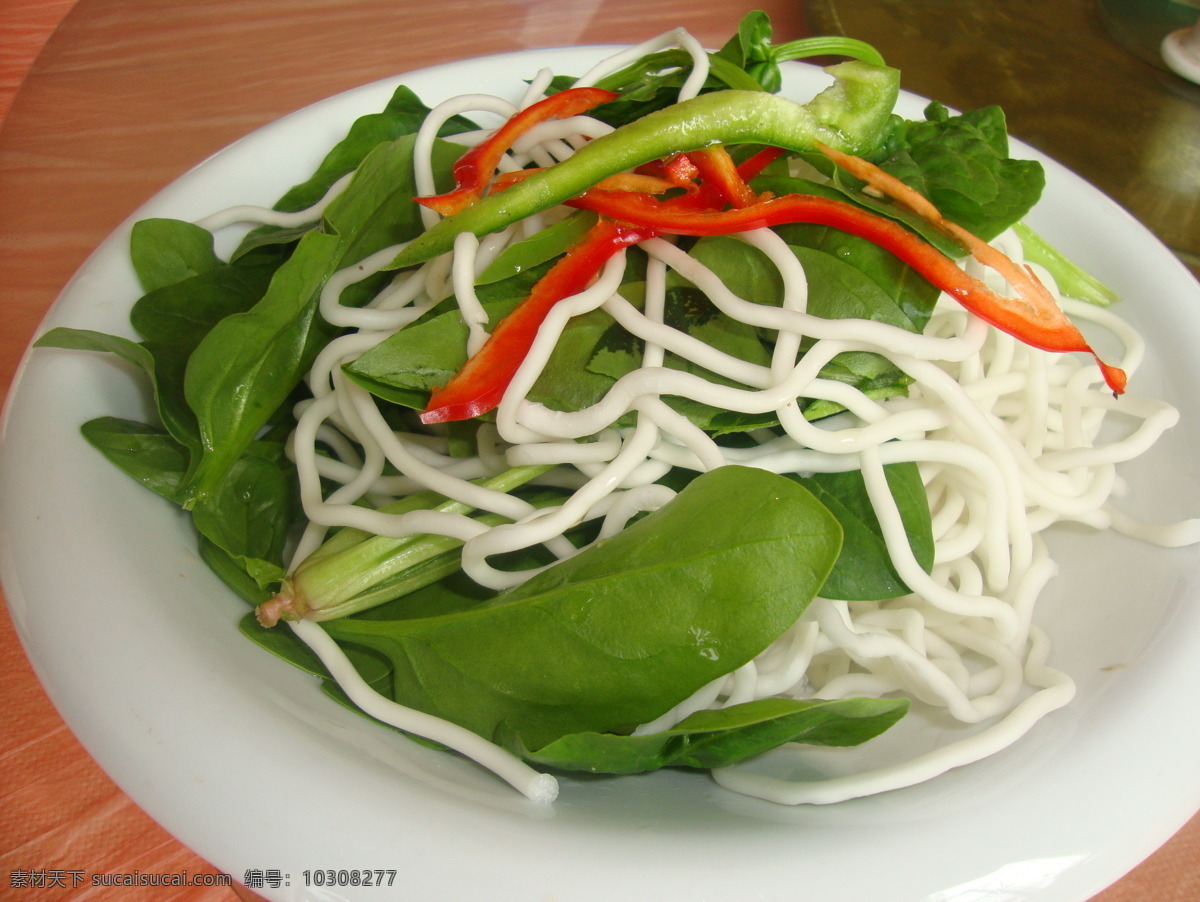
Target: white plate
[(242, 758)]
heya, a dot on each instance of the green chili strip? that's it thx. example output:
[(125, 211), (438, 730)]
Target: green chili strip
[(849, 115)]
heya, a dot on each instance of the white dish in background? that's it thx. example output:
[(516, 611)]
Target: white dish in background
[(245, 761)]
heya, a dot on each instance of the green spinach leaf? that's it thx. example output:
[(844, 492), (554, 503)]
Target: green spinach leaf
[(546, 245), (724, 737), (252, 512), (627, 628), (166, 251), (249, 363), (403, 115), (961, 164), (146, 453), (154, 362), (864, 569), (247, 519), (408, 365)]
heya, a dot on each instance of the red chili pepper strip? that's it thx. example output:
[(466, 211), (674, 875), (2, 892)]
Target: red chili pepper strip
[(751, 167), (1038, 301), (720, 177), (1036, 323), (474, 168), (679, 170), (481, 383)]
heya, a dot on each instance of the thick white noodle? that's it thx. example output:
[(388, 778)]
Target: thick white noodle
[(535, 786), (677, 37), (264, 216)]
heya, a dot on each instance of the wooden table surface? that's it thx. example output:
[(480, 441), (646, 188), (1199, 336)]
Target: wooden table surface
[(124, 96)]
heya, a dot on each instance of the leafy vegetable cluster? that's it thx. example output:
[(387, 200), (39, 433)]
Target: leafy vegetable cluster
[(563, 668)]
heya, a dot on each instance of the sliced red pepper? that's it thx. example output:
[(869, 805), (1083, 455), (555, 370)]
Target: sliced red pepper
[(753, 166), (1039, 303), (721, 179), (479, 386), (679, 170), (722, 183), (1033, 317), (475, 168)]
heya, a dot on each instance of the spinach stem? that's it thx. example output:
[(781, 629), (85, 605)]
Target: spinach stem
[(354, 570)]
